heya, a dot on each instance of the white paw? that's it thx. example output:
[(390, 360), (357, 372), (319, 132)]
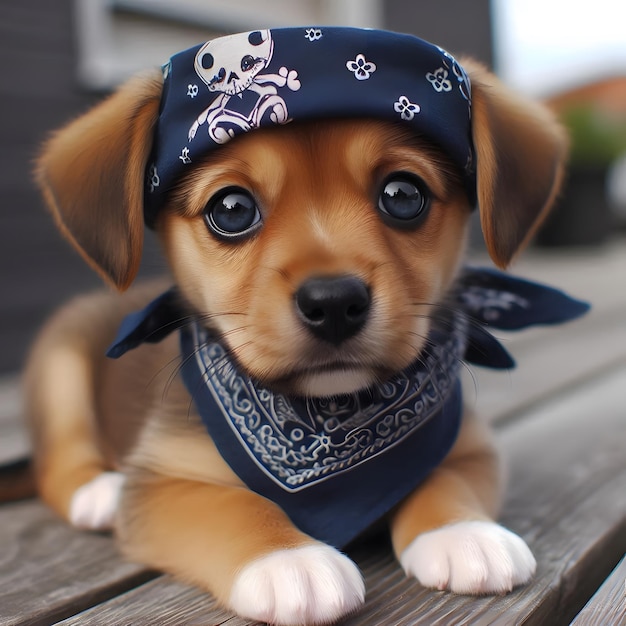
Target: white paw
[(314, 584), (94, 504), (470, 557)]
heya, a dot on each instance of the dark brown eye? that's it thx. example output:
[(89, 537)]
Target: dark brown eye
[(404, 200), (232, 214)]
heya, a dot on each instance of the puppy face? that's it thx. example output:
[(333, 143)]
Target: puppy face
[(282, 228), (318, 251)]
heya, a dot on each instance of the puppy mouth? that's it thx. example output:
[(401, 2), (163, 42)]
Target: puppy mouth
[(330, 379)]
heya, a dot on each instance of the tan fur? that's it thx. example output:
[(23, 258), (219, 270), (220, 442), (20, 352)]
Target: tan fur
[(519, 147), (305, 235), (183, 509), (93, 172), (466, 486)]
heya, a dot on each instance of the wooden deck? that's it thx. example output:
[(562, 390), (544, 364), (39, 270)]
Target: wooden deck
[(561, 422)]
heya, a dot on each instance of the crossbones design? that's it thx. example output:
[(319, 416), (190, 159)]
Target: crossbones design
[(231, 66)]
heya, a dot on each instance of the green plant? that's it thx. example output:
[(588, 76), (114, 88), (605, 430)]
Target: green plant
[(597, 137)]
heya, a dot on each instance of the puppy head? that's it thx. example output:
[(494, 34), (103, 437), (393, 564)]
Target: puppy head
[(317, 249), (316, 271)]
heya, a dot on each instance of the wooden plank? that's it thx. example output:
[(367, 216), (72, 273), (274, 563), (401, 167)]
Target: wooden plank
[(49, 570), (163, 601), (566, 499), (548, 360), (594, 273), (562, 356), (608, 605)]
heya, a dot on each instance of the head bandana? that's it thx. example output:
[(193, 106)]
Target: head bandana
[(231, 85)]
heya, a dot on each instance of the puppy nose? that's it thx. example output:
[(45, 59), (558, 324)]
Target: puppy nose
[(334, 308)]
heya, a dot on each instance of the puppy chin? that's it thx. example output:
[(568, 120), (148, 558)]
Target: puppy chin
[(335, 382)]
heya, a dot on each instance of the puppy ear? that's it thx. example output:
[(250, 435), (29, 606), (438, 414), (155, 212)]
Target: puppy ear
[(521, 152), (92, 177)]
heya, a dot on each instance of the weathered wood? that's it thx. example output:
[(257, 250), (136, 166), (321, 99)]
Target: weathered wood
[(49, 570), (549, 361), (556, 358), (566, 499), (608, 605), (161, 602)]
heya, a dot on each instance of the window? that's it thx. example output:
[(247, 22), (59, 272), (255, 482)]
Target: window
[(117, 38)]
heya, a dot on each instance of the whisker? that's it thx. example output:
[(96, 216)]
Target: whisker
[(208, 371)]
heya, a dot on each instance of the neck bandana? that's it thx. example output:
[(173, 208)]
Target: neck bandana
[(337, 465), (231, 85)]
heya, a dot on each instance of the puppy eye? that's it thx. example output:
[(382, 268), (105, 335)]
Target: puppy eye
[(232, 214), (403, 200)]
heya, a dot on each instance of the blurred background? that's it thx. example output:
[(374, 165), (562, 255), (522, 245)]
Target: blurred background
[(60, 57)]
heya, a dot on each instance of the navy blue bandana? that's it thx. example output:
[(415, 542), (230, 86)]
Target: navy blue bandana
[(231, 85), (337, 465)]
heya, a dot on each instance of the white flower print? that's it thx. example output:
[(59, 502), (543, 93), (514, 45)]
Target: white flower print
[(362, 69), (439, 80), (490, 303), (192, 91), (313, 34), (406, 108), (464, 83)]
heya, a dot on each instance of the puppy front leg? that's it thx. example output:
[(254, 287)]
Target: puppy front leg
[(239, 546), (444, 533)]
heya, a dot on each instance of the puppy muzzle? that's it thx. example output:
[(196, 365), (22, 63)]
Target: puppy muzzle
[(333, 308)]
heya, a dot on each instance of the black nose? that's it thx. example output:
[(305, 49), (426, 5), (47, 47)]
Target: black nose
[(334, 308)]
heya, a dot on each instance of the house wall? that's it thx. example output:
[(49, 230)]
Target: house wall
[(463, 27), (37, 93)]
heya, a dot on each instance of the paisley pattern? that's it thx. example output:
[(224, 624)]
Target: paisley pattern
[(296, 442)]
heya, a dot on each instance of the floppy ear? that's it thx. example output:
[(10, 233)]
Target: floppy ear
[(92, 176), (521, 152)]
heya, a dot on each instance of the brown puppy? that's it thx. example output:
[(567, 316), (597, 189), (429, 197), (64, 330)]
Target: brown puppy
[(317, 185)]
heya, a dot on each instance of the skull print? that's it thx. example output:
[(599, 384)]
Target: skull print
[(234, 66)]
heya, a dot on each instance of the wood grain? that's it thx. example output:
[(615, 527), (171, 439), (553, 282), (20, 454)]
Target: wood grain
[(554, 359), (49, 570), (566, 499), (164, 602), (608, 605)]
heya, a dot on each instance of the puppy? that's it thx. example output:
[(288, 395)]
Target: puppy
[(315, 240)]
